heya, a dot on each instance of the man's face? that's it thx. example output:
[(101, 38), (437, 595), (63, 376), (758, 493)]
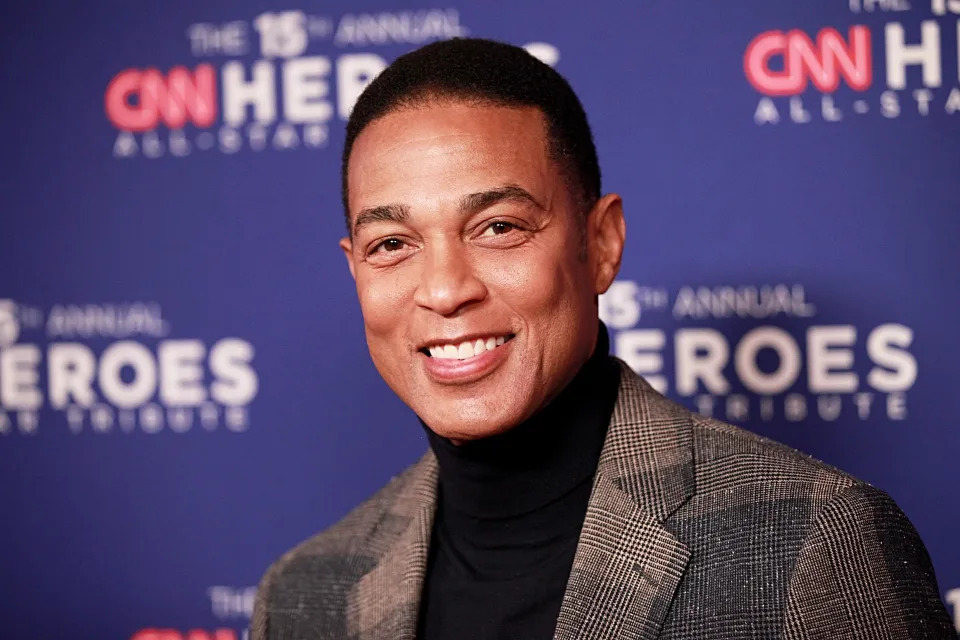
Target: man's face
[(478, 302)]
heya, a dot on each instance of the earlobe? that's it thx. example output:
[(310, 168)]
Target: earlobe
[(609, 230), (347, 247)]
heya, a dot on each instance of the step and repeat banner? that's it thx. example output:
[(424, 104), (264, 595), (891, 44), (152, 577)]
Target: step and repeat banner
[(185, 390)]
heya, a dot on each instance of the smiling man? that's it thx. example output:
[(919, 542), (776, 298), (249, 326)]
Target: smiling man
[(562, 497)]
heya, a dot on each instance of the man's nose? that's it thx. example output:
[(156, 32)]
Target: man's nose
[(448, 281)]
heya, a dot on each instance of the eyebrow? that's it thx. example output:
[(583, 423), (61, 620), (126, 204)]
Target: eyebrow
[(474, 202), (382, 213), (468, 204)]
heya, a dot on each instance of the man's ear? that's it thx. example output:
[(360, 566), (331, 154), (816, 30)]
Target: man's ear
[(347, 246), (606, 235)]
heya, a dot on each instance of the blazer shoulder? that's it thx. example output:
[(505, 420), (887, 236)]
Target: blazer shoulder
[(726, 456), (326, 565), (712, 441), (360, 530), (659, 449), (864, 572)]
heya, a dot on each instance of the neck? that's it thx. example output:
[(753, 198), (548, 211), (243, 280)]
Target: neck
[(538, 461)]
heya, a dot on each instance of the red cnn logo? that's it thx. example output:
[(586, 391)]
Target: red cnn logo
[(138, 100), (822, 63), (193, 634)]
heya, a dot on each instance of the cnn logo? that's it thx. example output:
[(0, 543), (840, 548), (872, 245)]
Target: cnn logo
[(823, 62), (138, 100)]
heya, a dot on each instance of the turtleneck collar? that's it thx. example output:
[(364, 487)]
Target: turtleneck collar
[(540, 460)]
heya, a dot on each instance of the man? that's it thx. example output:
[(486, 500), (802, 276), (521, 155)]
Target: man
[(562, 496)]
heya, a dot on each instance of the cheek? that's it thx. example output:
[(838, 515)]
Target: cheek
[(538, 285), (383, 299)]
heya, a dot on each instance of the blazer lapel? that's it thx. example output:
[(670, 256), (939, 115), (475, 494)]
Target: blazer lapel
[(384, 604), (627, 564)]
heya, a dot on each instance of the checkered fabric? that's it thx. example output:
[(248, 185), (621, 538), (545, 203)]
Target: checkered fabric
[(695, 529)]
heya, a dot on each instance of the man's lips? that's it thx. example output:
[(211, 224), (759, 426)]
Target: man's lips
[(466, 361)]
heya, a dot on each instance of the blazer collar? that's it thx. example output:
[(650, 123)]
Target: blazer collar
[(627, 565), (648, 452)]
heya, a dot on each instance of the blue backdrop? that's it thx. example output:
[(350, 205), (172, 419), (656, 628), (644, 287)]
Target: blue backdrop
[(184, 384)]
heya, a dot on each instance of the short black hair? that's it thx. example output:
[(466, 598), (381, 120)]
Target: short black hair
[(486, 72)]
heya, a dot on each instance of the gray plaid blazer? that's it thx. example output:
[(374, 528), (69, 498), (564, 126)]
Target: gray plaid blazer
[(695, 529)]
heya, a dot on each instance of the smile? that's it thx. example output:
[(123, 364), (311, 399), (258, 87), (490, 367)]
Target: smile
[(466, 349), (467, 361)]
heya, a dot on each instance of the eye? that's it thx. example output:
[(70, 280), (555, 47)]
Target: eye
[(498, 228), (389, 245), (390, 251)]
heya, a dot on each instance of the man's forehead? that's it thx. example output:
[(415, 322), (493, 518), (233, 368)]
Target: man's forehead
[(438, 124), (448, 149)]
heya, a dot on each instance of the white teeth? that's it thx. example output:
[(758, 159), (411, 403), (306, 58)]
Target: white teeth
[(465, 350)]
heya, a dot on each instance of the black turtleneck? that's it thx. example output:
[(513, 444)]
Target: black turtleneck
[(509, 514)]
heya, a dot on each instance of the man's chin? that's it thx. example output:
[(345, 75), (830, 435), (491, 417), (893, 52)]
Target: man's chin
[(470, 423)]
